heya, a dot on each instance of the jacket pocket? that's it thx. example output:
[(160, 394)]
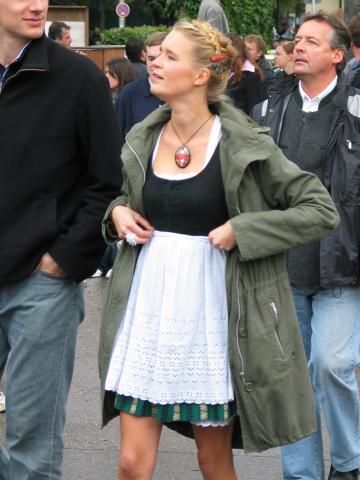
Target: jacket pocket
[(276, 327), (29, 226)]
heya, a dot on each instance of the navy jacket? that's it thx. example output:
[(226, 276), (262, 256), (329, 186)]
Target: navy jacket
[(60, 162), (134, 103)]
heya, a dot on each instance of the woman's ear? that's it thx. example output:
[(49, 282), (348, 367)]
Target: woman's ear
[(203, 77)]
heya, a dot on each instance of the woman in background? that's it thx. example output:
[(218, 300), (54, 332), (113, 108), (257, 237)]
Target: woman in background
[(244, 84), (119, 72)]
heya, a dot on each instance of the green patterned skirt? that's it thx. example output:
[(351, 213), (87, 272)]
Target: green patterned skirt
[(183, 412)]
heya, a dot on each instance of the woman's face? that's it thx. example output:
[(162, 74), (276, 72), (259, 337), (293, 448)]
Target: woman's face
[(174, 72), (281, 57), (113, 81)]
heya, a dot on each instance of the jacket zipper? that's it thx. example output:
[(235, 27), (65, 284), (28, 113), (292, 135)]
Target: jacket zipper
[(18, 73), (137, 158), (276, 317), (242, 369)]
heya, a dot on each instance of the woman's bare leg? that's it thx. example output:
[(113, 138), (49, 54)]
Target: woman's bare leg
[(139, 442), (214, 452)]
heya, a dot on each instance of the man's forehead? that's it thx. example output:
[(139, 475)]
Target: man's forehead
[(153, 50), (314, 29)]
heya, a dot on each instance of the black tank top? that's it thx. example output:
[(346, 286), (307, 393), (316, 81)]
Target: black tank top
[(192, 206)]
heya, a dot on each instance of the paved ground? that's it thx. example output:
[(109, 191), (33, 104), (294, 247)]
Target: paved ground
[(91, 453)]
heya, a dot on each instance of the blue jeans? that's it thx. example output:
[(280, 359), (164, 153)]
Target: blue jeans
[(39, 319), (330, 326)]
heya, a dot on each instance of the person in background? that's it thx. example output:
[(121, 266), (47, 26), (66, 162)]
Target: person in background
[(60, 33), (208, 206), (96, 37), (59, 170), (316, 122), (211, 11), (135, 52), (244, 84), (256, 49), (136, 101), (351, 72), (284, 57), (119, 72)]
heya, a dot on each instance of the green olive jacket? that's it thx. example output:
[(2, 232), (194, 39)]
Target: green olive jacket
[(273, 206)]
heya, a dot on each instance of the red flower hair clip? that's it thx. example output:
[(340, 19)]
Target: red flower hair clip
[(220, 63)]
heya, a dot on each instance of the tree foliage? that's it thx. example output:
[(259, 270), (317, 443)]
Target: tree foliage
[(244, 16), (119, 36)]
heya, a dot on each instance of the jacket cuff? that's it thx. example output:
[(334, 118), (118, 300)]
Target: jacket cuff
[(108, 228)]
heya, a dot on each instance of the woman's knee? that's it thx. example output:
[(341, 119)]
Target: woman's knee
[(207, 462), (135, 464)]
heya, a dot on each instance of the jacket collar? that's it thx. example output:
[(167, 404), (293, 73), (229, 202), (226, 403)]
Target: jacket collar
[(36, 57), (241, 140)]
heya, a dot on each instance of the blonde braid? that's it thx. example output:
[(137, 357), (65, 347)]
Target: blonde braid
[(209, 43)]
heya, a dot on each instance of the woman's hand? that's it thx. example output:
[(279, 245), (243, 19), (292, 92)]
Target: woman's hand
[(223, 237), (128, 221)]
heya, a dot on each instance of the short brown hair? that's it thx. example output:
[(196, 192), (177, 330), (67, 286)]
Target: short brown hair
[(287, 45), (340, 37), (354, 28), (258, 40), (155, 39)]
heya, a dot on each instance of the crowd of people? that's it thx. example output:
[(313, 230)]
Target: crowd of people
[(227, 192)]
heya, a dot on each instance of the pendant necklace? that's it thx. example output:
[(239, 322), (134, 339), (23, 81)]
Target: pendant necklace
[(183, 154)]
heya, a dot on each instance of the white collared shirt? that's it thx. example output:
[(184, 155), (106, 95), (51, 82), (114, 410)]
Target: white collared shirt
[(312, 104)]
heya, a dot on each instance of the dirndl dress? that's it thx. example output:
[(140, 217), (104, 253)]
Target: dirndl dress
[(170, 355)]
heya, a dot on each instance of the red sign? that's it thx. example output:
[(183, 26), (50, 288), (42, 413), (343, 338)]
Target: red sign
[(123, 9)]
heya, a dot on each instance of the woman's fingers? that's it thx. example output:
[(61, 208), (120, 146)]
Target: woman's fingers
[(128, 221)]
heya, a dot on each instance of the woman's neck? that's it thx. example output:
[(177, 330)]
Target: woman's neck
[(186, 118)]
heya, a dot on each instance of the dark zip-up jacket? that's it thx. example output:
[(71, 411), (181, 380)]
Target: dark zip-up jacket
[(60, 164), (339, 250)]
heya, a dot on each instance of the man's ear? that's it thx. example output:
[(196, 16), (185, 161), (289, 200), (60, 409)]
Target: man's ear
[(143, 56), (203, 77), (338, 56)]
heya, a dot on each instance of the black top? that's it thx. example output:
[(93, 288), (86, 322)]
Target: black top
[(247, 93), (193, 206)]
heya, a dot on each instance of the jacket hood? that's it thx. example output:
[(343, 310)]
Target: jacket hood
[(242, 140), (246, 136)]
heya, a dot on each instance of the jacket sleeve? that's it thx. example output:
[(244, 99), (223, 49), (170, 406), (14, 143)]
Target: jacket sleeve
[(108, 228), (300, 209), (78, 250)]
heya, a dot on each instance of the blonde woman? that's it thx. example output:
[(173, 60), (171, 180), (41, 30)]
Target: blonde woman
[(199, 331)]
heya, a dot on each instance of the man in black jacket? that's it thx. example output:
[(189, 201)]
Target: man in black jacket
[(316, 122), (59, 169)]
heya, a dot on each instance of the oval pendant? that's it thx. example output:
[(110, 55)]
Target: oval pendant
[(182, 156)]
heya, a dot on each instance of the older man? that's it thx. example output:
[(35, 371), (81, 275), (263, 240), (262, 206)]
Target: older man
[(59, 170), (60, 32), (316, 122)]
